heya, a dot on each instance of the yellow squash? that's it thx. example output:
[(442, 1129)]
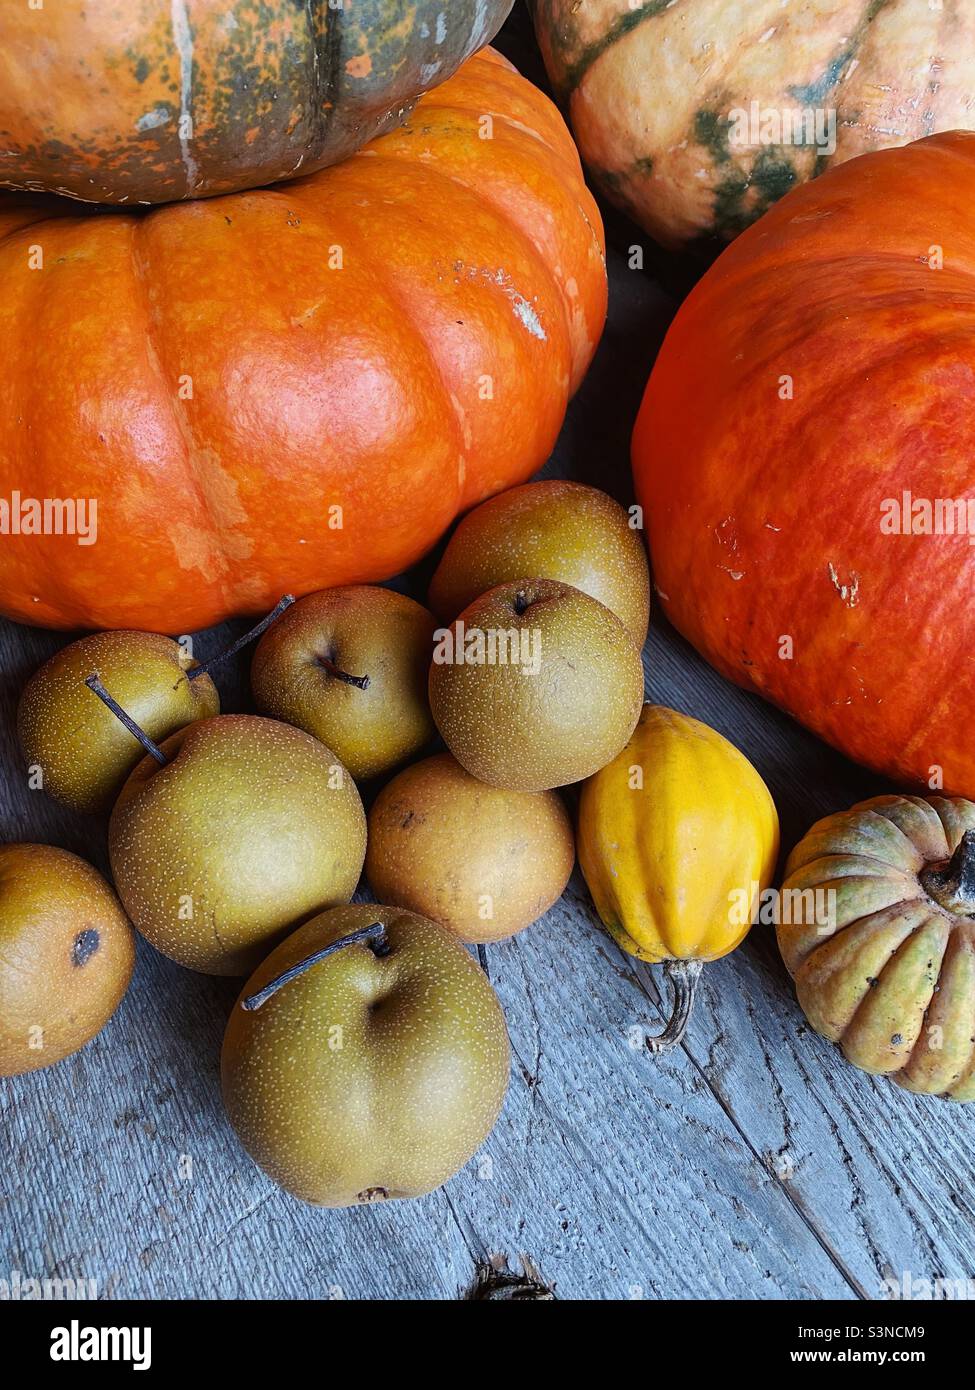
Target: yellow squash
[(678, 837)]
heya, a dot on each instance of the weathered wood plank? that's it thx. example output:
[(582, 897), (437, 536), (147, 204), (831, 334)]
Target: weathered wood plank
[(753, 1162)]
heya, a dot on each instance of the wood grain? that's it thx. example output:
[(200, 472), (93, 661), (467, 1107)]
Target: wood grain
[(750, 1163)]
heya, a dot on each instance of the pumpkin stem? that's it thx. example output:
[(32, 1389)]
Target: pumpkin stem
[(952, 885), (376, 933), (95, 686), (683, 976), (262, 626)]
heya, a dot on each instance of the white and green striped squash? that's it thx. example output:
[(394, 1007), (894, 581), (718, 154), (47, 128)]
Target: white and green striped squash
[(676, 104)]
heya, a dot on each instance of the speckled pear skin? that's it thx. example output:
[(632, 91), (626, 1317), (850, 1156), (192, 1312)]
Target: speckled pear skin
[(532, 731), (555, 529), (251, 828), (889, 973), (85, 753), (445, 845), (369, 1077), (66, 955), (366, 632)]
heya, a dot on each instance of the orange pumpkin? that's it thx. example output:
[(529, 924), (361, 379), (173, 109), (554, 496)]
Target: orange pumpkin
[(804, 457), (164, 99), (299, 386)]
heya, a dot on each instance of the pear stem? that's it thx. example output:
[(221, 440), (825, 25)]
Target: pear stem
[(255, 632), (683, 976), (374, 933), (95, 686), (360, 682)]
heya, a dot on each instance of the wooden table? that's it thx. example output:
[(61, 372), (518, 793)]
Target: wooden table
[(752, 1162)]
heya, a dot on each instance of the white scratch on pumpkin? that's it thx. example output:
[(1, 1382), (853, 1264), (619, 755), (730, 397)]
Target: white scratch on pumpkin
[(465, 426), (528, 316), (183, 36), (153, 119), (849, 593), (524, 310)]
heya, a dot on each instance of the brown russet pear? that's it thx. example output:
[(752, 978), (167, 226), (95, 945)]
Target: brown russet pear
[(554, 529), (66, 955), (83, 753), (535, 685), (350, 666), (248, 828), (481, 860), (370, 1070)]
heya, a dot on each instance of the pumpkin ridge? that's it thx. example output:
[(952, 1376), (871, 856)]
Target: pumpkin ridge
[(566, 151), (387, 282), (870, 813), (933, 826), (944, 809), (215, 528), (852, 820), (729, 287), (624, 24), (936, 918), (551, 272), (502, 213), (816, 93), (889, 868), (879, 915), (326, 52), (827, 963), (734, 274)]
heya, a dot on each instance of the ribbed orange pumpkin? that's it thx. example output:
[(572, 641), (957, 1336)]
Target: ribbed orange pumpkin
[(300, 386)]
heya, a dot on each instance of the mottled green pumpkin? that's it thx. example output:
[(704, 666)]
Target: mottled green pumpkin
[(881, 943), (135, 101), (695, 116)]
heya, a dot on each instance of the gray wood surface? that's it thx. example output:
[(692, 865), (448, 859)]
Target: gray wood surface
[(752, 1162)]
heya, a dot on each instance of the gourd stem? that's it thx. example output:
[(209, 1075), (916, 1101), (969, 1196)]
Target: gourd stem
[(374, 933), (95, 686), (255, 632), (683, 976), (360, 682), (952, 885)]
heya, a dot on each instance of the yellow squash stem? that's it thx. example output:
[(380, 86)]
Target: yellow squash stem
[(683, 976)]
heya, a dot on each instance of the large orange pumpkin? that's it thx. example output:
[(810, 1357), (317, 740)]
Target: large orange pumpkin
[(128, 101), (805, 452), (299, 386)]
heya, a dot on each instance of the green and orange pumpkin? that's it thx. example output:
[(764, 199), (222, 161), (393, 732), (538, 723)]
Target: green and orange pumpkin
[(695, 116), (296, 387), (131, 101), (881, 938)]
